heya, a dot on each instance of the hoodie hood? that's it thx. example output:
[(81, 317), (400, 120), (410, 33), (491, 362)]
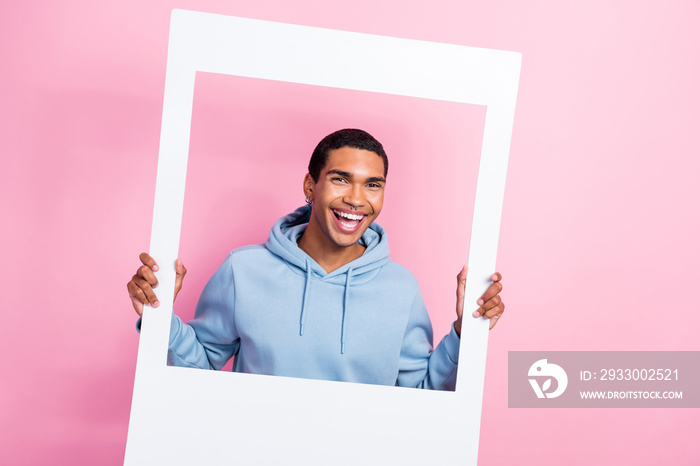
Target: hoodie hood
[(283, 243)]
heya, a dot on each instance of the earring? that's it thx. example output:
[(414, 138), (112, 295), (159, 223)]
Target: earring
[(307, 200)]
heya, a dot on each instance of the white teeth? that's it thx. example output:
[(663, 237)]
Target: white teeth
[(357, 217)]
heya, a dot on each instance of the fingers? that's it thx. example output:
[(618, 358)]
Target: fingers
[(148, 261), (491, 292), (137, 298), (145, 278), (141, 285), (492, 305), (494, 311), (142, 289), (140, 293), (490, 308)]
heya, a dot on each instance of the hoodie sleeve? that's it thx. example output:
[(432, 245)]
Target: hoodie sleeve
[(419, 365), (210, 339)]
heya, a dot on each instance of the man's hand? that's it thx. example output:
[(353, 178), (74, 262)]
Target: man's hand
[(142, 283), (492, 306)]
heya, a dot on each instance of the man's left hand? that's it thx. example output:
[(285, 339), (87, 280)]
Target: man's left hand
[(491, 304)]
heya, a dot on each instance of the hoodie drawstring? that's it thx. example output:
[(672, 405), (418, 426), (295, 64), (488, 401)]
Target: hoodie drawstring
[(302, 318), (346, 297)]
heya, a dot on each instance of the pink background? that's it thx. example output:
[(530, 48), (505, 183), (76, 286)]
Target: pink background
[(599, 223)]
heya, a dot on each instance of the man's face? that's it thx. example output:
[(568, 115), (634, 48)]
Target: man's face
[(348, 195)]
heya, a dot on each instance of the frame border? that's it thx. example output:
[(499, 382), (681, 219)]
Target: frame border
[(321, 422)]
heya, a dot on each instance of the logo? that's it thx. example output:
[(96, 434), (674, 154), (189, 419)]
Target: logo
[(542, 369)]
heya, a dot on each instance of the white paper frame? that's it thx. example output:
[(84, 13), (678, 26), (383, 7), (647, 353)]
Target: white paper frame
[(187, 416)]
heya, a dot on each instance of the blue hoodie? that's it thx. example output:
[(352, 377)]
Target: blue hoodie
[(280, 313)]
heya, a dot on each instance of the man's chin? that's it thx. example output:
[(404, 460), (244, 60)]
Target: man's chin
[(347, 244), (347, 240)]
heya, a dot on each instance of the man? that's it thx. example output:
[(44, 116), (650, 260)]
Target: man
[(321, 298)]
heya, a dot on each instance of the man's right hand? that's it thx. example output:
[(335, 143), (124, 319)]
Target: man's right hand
[(142, 283)]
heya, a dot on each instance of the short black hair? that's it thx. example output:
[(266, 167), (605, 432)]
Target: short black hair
[(349, 137)]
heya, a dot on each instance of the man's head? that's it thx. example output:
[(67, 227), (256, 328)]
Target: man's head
[(345, 185), (354, 138)]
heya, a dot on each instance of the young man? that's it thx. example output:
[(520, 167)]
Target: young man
[(321, 298)]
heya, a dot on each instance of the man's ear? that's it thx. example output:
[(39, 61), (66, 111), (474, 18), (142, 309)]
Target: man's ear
[(309, 185)]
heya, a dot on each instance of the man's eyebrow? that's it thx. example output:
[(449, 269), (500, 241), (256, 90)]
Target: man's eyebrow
[(339, 172), (372, 179)]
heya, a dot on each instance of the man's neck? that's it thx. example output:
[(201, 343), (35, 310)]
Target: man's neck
[(328, 255)]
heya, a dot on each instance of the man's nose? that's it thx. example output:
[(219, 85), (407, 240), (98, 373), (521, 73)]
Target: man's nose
[(355, 197)]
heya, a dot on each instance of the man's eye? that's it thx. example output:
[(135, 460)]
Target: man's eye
[(374, 185), (339, 180)]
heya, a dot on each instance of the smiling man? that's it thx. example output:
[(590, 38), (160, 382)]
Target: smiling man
[(346, 192), (321, 298)]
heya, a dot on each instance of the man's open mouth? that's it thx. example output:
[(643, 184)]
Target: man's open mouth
[(348, 220)]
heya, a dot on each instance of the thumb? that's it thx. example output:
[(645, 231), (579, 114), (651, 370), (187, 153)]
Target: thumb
[(180, 272), (461, 285)]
